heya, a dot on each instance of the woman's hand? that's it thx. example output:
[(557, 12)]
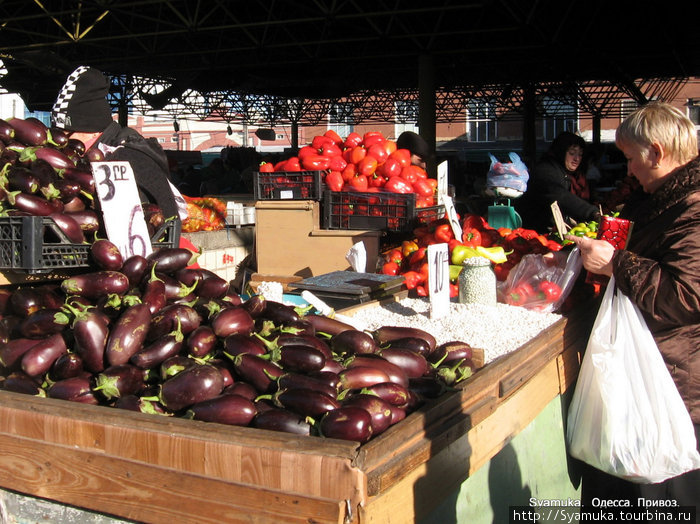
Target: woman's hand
[(596, 255)]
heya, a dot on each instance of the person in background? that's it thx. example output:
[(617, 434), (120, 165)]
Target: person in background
[(558, 177), (419, 148), (82, 109), (659, 270)]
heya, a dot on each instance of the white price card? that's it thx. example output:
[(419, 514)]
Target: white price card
[(438, 280), (121, 207), (452, 216), (442, 180)]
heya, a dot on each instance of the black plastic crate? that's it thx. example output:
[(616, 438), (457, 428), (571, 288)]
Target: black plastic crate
[(287, 185), (375, 211), (35, 244)]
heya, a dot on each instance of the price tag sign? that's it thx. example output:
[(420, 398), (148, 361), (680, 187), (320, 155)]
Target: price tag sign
[(438, 280), (562, 228), (452, 215), (442, 180), (121, 207)]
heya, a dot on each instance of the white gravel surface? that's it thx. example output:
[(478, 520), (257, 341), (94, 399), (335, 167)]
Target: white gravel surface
[(497, 330)]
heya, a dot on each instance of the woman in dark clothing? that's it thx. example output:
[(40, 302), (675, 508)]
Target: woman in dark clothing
[(659, 270), (559, 177)]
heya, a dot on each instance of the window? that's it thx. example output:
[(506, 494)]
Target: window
[(481, 121), (558, 116), (626, 107), (340, 119), (406, 116), (694, 110), (44, 116), (161, 140)]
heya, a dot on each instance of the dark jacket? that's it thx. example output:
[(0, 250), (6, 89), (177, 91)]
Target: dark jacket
[(148, 161), (550, 182), (660, 272)]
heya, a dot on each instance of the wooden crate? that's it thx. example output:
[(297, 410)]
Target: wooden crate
[(161, 469)]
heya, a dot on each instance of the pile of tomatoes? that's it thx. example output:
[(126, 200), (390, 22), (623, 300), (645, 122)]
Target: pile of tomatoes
[(503, 246), (364, 163)]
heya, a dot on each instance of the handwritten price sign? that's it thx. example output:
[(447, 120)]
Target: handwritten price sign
[(121, 207), (438, 280)]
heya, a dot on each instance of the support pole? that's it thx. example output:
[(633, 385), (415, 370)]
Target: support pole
[(426, 106)]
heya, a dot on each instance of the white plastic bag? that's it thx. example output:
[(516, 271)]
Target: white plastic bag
[(626, 416)]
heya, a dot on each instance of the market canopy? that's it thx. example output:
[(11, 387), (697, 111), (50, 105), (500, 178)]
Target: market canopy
[(260, 50)]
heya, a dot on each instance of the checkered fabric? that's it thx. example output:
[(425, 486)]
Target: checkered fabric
[(59, 112)]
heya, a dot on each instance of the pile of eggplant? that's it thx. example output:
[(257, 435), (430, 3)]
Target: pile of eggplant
[(161, 335), (45, 172)]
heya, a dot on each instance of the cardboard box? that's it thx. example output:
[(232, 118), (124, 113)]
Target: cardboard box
[(289, 240)]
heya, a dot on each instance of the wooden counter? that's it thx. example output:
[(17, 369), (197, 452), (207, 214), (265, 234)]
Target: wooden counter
[(161, 469)]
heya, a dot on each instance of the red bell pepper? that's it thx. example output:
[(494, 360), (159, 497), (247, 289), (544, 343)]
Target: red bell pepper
[(520, 294), (471, 237), (390, 268), (411, 279), (398, 185), (334, 181), (549, 291), (443, 233)]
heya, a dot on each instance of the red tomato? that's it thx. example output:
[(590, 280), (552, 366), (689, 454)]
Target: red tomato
[(367, 166), (352, 140)]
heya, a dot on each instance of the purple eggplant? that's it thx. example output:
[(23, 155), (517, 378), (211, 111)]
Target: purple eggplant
[(347, 423), (106, 255), (140, 405), (7, 132), (386, 334), (174, 289), (87, 219), (171, 259), (280, 313), (96, 284), (327, 325), (453, 372), (8, 328), (20, 178), (135, 268), (69, 193), (395, 373), (393, 393), (120, 380), (58, 137), (57, 158), (226, 370), (298, 327), (306, 402), (25, 300), (5, 294), (41, 356), (44, 173), (231, 321), (20, 382), (127, 335), (153, 293), (90, 329), (43, 322), (278, 419), (257, 371), (353, 342), (243, 389), (299, 380), (212, 286), (329, 377), (69, 226), (255, 305), (159, 350), (380, 410), (33, 204), (82, 177), (300, 358), (417, 345), (75, 389), (397, 414), (30, 131), (76, 145), (174, 365), (239, 343), (234, 410), (201, 341), (427, 387), (12, 352), (361, 377), (66, 366), (451, 351), (191, 275), (195, 384), (165, 320), (332, 366), (287, 339), (412, 363)]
